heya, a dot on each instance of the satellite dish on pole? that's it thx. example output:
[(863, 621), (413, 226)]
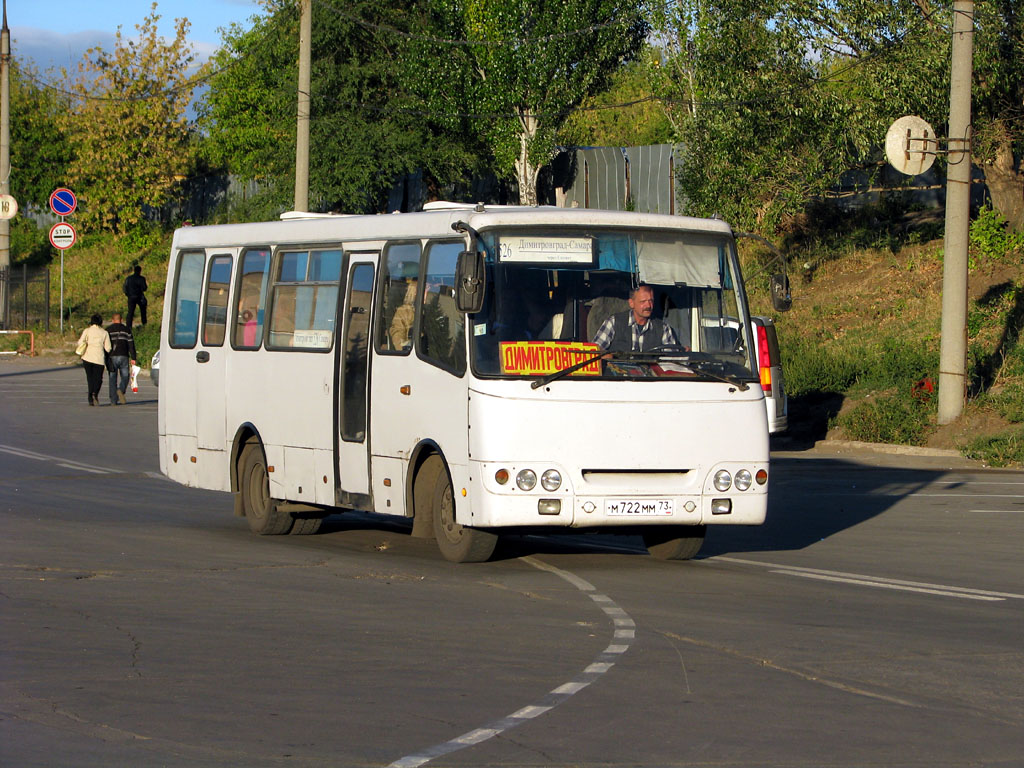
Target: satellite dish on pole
[(910, 145)]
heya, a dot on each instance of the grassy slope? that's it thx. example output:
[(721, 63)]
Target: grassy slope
[(865, 329)]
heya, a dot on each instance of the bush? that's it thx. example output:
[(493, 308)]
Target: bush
[(893, 418), (812, 367), (1002, 450), (899, 363), (991, 238)]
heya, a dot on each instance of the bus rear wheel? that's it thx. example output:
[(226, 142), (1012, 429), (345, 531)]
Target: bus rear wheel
[(458, 543), (675, 542), (261, 511)]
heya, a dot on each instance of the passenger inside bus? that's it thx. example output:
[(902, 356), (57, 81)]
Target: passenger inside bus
[(400, 331)]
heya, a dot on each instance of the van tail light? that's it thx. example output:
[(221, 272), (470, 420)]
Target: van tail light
[(764, 355)]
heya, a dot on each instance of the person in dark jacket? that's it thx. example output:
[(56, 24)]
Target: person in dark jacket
[(122, 358), (135, 289)]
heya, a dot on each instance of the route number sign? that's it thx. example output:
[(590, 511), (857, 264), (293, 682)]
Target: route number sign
[(8, 207)]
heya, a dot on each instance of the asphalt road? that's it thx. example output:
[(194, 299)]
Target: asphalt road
[(875, 620)]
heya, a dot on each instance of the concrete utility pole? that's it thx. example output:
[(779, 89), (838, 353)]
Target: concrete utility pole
[(5, 158), (953, 348), (302, 128)]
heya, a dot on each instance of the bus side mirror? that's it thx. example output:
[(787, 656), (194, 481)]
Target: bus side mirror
[(782, 300), (469, 281)]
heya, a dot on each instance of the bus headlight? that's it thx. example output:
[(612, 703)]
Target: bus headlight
[(723, 480), (551, 480), (526, 480), (743, 480), (501, 476)]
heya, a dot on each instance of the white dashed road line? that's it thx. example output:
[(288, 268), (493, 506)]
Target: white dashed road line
[(625, 632)]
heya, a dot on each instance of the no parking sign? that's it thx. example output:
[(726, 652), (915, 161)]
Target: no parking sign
[(63, 201)]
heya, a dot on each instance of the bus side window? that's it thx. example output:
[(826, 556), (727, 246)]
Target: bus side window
[(304, 300), (215, 318), (399, 278), (442, 328), (251, 296), (188, 290)]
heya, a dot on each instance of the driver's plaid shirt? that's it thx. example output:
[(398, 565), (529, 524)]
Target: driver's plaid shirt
[(605, 334)]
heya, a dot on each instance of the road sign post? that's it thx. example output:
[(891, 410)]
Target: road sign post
[(62, 236)]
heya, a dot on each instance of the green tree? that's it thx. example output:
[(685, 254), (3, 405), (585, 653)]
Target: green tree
[(512, 71), (40, 151), (128, 126), (775, 99), (624, 115), (366, 128)]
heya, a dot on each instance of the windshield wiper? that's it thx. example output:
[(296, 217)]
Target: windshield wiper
[(699, 361), (702, 367), (536, 384)]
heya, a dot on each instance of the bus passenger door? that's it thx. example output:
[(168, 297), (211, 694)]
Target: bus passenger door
[(353, 379), (211, 354)]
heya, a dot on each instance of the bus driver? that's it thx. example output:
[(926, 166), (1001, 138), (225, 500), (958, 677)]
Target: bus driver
[(635, 329)]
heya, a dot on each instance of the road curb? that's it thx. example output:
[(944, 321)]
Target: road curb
[(896, 450)]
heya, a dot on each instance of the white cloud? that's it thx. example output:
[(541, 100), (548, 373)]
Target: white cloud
[(50, 50)]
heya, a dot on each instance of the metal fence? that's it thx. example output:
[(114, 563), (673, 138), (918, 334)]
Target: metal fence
[(25, 297)]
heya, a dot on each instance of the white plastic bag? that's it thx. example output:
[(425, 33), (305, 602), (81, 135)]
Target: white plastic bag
[(134, 380)]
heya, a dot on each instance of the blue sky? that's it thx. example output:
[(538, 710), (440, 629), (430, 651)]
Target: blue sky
[(55, 33)]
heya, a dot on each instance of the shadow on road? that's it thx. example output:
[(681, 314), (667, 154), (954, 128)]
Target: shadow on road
[(815, 498), (810, 500), (34, 371)]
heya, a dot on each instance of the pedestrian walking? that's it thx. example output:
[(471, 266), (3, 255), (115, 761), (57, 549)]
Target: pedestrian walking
[(121, 360), (135, 289), (93, 345)]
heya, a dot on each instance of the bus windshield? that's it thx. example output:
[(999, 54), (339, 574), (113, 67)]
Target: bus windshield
[(602, 304)]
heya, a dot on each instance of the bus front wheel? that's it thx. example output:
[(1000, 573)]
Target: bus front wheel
[(261, 511), (674, 542), (458, 543)]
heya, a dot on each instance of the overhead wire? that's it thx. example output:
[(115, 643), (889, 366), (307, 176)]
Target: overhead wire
[(200, 79)]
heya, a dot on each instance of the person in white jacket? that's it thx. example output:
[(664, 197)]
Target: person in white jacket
[(97, 345)]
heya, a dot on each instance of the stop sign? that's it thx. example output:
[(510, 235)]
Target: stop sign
[(62, 236)]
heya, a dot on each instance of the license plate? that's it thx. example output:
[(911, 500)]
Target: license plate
[(639, 507)]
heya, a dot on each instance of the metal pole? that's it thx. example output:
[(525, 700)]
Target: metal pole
[(5, 150), (302, 128), (62, 293), (953, 347)]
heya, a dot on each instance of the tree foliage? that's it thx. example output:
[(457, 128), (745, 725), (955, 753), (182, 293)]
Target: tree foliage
[(40, 151), (127, 124), (775, 99), (511, 71), (623, 115), (366, 128)]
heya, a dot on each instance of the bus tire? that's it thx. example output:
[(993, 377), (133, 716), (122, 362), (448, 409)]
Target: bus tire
[(306, 526), (261, 511), (458, 543), (676, 542)]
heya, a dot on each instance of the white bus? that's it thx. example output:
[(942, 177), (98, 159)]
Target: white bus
[(442, 366)]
